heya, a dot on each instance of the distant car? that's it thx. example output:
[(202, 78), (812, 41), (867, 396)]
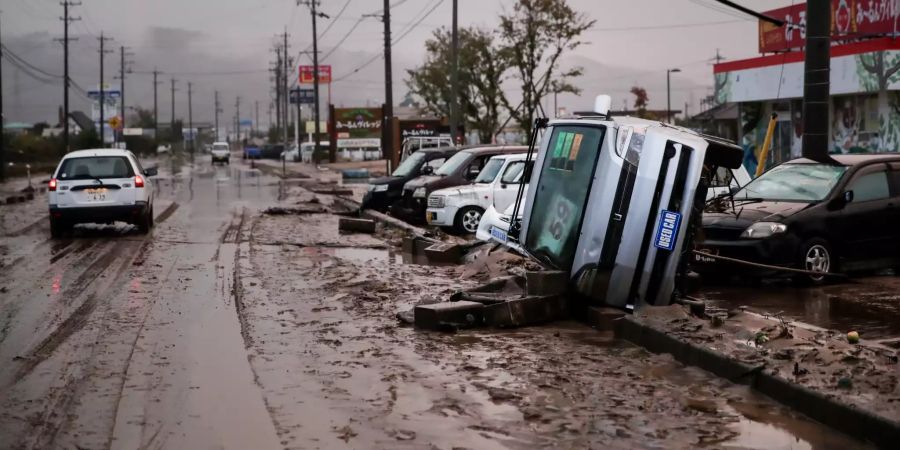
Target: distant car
[(463, 168), (100, 186), (460, 208), (271, 151), (385, 191), (221, 152), (251, 153), (808, 215), (163, 148)]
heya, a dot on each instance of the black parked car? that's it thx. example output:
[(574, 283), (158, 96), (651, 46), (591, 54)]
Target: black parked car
[(383, 192), (271, 151), (808, 215)]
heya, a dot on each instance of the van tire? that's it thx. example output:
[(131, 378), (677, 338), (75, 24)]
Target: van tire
[(467, 219), (58, 229), (146, 222)]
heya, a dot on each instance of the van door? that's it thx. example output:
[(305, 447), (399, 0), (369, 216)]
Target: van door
[(506, 187), (95, 181)]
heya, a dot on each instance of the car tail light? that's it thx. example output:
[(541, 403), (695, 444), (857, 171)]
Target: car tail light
[(52, 185), (138, 181)]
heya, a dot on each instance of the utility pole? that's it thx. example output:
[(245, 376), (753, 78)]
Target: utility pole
[(454, 76), (155, 105), (191, 116), (122, 71), (315, 35), (256, 118), (65, 41), (284, 87), (237, 118), (172, 125), (816, 81), (388, 85), (102, 88), (2, 147), (217, 116), (278, 123)]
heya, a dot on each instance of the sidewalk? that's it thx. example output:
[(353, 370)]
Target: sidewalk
[(850, 387)]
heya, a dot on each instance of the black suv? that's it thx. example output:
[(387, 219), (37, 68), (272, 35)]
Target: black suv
[(384, 191), (808, 215)]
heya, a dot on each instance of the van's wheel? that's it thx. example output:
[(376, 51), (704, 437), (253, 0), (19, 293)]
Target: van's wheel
[(815, 255), (467, 219), (146, 222), (58, 229)]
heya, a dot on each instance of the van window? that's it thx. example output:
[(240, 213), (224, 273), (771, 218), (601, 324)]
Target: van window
[(871, 186), (513, 173), (95, 167), (454, 163), (722, 178), (490, 171), (562, 193)]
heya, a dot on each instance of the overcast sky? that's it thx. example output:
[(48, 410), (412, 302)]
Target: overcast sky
[(226, 45)]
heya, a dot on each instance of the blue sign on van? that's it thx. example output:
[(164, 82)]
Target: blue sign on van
[(667, 232)]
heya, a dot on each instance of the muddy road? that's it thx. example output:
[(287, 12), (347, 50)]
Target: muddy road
[(228, 328)]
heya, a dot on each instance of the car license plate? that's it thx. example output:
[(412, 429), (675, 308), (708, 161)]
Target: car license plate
[(498, 234), (96, 195)]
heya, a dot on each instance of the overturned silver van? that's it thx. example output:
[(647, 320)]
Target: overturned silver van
[(615, 202)]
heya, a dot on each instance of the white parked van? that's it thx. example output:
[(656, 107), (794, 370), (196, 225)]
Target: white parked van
[(100, 186), (460, 208)]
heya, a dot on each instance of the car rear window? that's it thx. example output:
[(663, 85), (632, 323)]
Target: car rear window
[(95, 167)]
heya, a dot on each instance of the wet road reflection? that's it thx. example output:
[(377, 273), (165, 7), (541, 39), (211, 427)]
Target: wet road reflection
[(870, 305)]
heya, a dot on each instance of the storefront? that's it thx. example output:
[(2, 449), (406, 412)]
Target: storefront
[(864, 112)]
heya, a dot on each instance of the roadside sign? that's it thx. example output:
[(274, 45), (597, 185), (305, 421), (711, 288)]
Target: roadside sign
[(307, 76), (246, 122), (133, 131), (303, 96), (115, 122), (667, 232), (311, 126)]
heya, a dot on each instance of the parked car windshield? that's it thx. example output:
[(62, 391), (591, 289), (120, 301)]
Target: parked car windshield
[(95, 167), (453, 164), (411, 164), (794, 182), (220, 146), (490, 171)]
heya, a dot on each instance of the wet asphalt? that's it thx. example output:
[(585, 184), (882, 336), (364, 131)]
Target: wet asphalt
[(224, 329)]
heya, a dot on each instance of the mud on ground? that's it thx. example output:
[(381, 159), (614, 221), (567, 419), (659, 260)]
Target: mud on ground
[(319, 320)]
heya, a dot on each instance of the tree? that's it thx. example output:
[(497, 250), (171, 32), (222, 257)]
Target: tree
[(142, 118), (536, 34), (482, 65), (641, 100)]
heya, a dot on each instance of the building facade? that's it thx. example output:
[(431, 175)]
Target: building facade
[(864, 109)]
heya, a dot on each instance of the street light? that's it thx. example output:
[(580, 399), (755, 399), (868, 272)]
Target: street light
[(669, 73)]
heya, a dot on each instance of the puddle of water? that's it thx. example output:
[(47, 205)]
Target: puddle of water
[(869, 305), (762, 423)]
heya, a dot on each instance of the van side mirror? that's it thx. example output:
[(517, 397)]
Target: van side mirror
[(427, 170), (151, 171)]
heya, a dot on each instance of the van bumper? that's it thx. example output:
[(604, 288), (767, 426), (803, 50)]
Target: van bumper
[(99, 214)]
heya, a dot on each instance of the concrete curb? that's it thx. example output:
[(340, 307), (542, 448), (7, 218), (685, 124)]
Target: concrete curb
[(849, 419)]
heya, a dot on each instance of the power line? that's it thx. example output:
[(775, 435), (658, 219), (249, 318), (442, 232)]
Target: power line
[(668, 27), (393, 43)]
